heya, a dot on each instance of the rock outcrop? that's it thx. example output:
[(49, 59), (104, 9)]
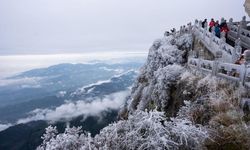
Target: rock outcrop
[(159, 75)]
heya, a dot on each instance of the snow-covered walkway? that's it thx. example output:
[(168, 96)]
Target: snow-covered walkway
[(223, 66)]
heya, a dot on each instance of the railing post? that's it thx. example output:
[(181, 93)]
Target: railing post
[(242, 73), (181, 30), (215, 66), (245, 66), (223, 36), (199, 28), (190, 27), (195, 25), (234, 55), (211, 37), (237, 50), (243, 22), (206, 26), (230, 23), (204, 34), (221, 44), (239, 30), (200, 24), (199, 64), (196, 22), (237, 44), (216, 63)]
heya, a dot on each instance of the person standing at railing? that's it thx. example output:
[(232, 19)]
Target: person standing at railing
[(217, 30), (225, 29), (203, 24), (222, 23), (211, 25)]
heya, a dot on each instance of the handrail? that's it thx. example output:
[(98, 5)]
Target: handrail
[(237, 32), (222, 67), (228, 71), (214, 44)]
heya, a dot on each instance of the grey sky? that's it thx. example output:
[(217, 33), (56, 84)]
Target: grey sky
[(73, 26)]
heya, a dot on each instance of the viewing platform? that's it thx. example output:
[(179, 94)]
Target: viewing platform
[(225, 51)]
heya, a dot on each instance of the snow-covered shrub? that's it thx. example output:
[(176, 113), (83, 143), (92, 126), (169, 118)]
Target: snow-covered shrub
[(143, 130), (185, 41), (233, 137), (215, 105), (48, 137), (165, 79), (69, 140)]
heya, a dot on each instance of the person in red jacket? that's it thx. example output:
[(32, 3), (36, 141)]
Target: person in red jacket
[(211, 24), (225, 29)]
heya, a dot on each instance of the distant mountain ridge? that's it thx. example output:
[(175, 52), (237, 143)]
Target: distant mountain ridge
[(52, 80), (82, 82)]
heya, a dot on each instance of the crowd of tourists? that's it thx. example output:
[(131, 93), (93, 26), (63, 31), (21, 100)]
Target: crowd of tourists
[(216, 26)]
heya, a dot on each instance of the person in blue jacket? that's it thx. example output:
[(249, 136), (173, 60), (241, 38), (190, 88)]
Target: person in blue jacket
[(217, 30)]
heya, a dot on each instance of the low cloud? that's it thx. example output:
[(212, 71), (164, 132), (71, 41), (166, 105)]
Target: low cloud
[(61, 94), (110, 69), (32, 82), (4, 126), (74, 109), (82, 90)]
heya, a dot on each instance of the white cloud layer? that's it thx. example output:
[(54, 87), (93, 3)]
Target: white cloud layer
[(4, 126), (23, 82), (82, 90), (74, 109)]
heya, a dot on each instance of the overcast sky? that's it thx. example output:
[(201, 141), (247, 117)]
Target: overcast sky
[(75, 26)]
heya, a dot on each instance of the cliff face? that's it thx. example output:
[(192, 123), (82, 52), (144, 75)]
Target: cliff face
[(159, 75)]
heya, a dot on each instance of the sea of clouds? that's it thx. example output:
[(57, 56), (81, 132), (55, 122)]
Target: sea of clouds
[(70, 110)]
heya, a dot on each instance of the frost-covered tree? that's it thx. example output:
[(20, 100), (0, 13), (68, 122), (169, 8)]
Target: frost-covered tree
[(151, 130), (142, 130), (71, 139), (48, 137)]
